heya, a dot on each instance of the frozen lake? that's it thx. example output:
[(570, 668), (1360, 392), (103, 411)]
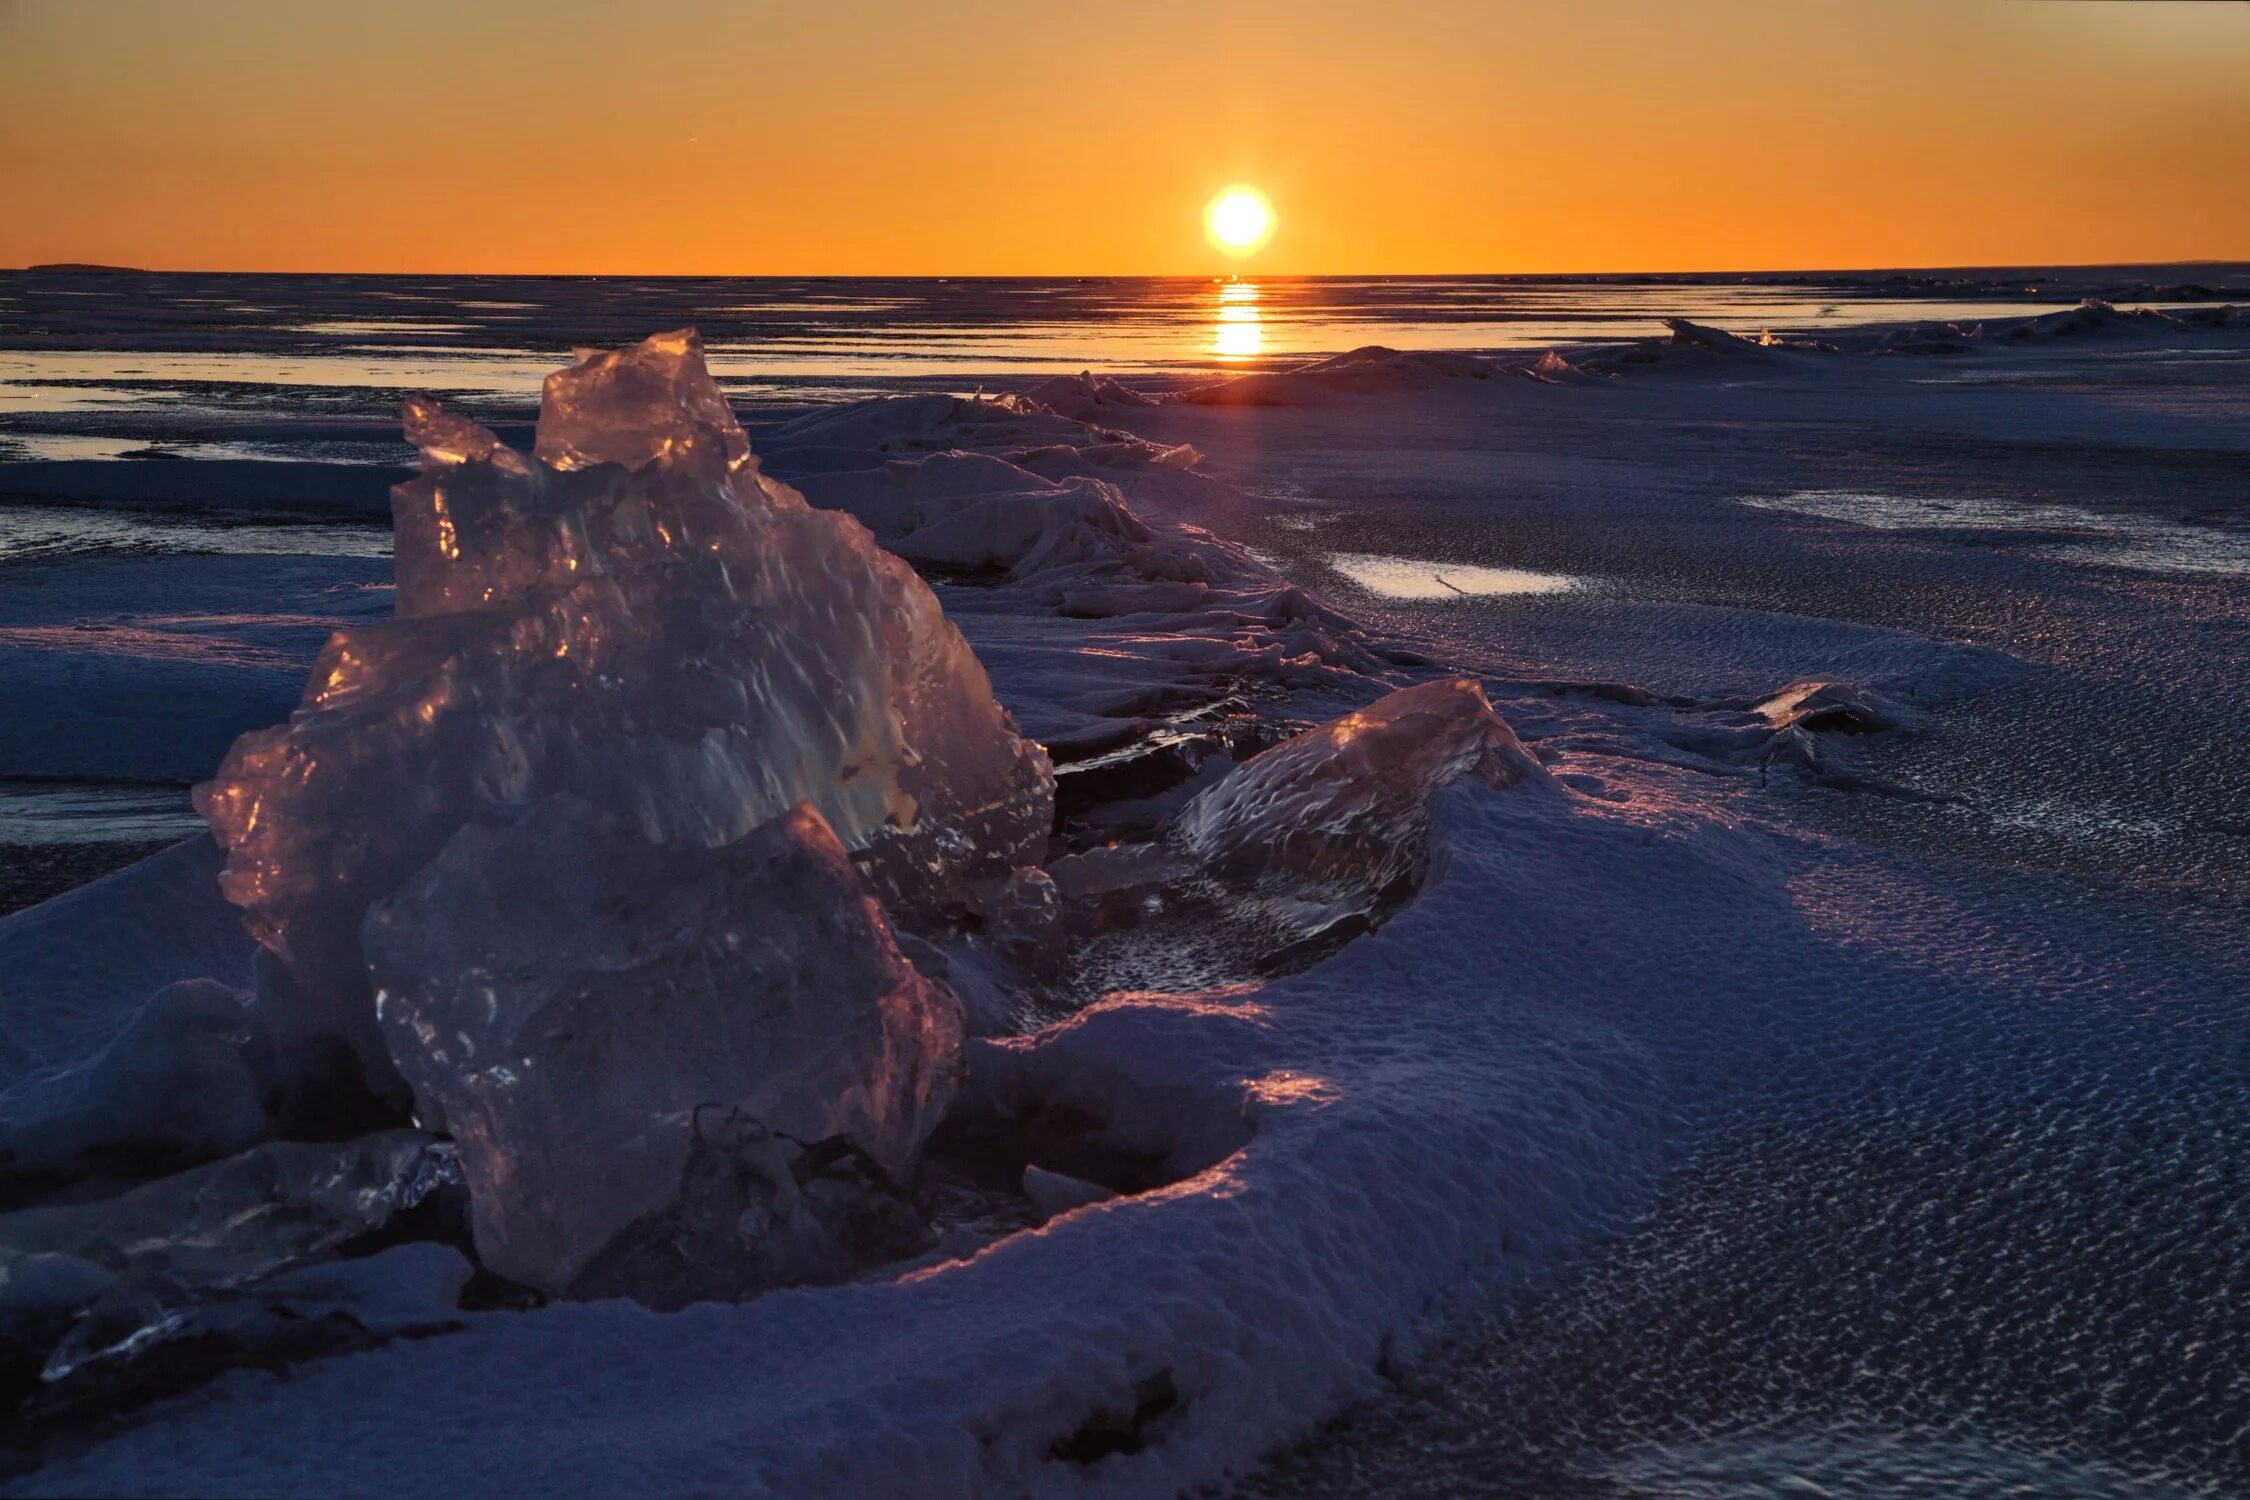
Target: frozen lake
[(1865, 1123)]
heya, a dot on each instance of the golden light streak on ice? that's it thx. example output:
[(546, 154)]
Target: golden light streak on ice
[(1240, 333)]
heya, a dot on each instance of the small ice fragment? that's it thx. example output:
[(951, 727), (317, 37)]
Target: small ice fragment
[(1825, 704), (446, 439), (1056, 1194), (1346, 806)]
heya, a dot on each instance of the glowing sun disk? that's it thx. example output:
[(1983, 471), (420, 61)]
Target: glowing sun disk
[(1239, 221)]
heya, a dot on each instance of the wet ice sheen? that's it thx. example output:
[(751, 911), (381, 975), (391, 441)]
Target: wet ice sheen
[(1423, 578)]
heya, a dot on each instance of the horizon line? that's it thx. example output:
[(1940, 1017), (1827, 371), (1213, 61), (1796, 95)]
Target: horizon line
[(107, 268)]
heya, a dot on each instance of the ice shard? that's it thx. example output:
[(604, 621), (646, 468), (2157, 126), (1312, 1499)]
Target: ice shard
[(633, 616), (1336, 816)]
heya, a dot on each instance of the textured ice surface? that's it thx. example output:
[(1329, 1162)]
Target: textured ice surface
[(634, 617), (566, 996), (2158, 543)]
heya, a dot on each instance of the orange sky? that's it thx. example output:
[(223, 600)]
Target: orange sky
[(955, 137)]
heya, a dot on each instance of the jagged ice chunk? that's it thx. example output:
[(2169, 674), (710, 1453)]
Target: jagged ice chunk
[(639, 619)]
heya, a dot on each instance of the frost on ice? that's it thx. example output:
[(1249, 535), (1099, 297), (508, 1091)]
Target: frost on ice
[(610, 806)]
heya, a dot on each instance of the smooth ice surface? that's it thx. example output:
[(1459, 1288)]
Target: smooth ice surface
[(1421, 578), (567, 997), (637, 618)]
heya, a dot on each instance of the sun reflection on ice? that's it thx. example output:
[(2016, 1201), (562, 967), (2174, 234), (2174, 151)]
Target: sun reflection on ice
[(1240, 333)]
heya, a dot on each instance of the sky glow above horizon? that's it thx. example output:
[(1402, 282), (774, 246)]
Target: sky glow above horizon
[(897, 138)]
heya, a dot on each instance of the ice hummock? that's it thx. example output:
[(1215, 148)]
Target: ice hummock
[(634, 617), (569, 995)]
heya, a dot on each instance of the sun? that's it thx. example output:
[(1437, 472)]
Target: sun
[(1239, 220)]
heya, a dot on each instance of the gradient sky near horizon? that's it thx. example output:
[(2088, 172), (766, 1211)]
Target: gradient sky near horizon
[(971, 138)]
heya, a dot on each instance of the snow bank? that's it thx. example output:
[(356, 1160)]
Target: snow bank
[(976, 512), (185, 1081), (2094, 318), (1362, 1135), (75, 970), (930, 423)]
